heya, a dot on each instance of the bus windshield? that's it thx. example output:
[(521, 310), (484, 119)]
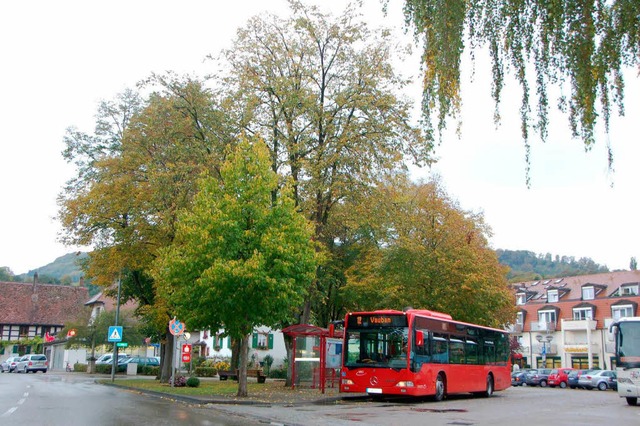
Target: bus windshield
[(381, 347), (628, 344)]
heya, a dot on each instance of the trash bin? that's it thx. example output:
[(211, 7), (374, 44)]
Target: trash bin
[(132, 369)]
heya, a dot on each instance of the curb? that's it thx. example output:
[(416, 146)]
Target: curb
[(207, 401)]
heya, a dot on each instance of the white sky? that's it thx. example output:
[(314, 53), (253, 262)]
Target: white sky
[(59, 59)]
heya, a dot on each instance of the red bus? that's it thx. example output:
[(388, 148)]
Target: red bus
[(419, 352)]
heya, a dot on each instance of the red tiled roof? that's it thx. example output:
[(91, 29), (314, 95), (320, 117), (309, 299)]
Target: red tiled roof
[(40, 304), (608, 282)]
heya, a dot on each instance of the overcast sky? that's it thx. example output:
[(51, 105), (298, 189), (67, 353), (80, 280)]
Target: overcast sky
[(59, 59)]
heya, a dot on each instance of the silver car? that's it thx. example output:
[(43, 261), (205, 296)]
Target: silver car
[(601, 379), (108, 359), (32, 363), (9, 365)]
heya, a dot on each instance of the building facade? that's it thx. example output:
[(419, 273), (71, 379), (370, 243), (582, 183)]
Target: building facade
[(564, 322), (30, 310)]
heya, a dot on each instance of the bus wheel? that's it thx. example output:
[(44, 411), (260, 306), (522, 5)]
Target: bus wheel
[(439, 396), (632, 400), (489, 390)]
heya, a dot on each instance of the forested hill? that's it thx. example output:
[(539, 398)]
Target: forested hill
[(64, 270), (525, 266), (528, 266)]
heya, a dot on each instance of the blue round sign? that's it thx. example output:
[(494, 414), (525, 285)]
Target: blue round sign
[(176, 327)]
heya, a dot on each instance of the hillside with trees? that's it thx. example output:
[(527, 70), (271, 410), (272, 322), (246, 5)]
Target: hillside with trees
[(64, 270), (527, 266)]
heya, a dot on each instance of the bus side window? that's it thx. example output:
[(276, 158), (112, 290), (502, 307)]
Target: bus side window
[(439, 349), (421, 345)]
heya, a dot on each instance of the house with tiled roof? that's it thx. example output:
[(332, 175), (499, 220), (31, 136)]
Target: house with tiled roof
[(29, 310), (564, 322)]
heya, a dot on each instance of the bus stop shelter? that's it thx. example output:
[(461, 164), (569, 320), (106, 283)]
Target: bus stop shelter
[(317, 355)]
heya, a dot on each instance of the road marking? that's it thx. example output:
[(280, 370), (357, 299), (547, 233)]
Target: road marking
[(9, 412), (21, 401)]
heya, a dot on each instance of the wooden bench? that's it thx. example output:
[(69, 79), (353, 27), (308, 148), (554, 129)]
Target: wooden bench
[(257, 373), (251, 372), (224, 375)]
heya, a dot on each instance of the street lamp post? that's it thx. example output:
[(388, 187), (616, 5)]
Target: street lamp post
[(544, 340)]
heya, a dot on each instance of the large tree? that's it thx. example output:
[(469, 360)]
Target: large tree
[(135, 173), (582, 46), (242, 256), (422, 250), (323, 95)]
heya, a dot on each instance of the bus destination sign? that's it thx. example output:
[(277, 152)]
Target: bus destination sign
[(372, 321)]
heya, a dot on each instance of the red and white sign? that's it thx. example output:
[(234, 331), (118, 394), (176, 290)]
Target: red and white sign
[(186, 352)]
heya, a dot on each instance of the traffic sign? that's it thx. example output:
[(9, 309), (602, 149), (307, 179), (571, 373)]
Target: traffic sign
[(122, 344), (115, 333), (186, 352), (176, 327)]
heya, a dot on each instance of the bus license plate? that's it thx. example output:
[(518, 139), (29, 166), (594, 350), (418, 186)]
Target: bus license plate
[(374, 390)]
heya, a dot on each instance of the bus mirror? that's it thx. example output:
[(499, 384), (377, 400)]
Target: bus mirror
[(419, 338)]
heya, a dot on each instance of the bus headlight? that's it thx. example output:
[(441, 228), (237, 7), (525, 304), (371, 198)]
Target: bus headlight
[(347, 381), (405, 384)]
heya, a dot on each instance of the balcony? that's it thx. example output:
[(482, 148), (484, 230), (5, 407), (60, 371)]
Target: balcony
[(514, 328), (543, 326), (552, 349), (582, 325)]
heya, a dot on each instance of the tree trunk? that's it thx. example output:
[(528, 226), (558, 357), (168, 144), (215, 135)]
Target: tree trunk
[(235, 354), (166, 357), (288, 344), (242, 373)]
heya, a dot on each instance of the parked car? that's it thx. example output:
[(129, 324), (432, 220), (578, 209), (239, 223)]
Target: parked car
[(518, 378), (32, 363), (107, 359), (559, 377), (574, 377), (9, 364), (601, 379), (140, 360), (538, 377)]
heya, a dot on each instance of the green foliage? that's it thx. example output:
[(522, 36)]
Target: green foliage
[(80, 368), (243, 248), (268, 361), (103, 368), (193, 382), (6, 274), (249, 255), (277, 373), (427, 253), (206, 371), (322, 93), (136, 171), (582, 46), (527, 266), (67, 266), (97, 332), (148, 370)]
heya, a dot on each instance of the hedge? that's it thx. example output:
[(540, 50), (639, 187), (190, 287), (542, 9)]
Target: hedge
[(206, 371)]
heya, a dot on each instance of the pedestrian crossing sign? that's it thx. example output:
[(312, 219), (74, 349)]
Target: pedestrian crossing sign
[(115, 333)]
